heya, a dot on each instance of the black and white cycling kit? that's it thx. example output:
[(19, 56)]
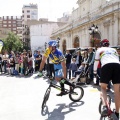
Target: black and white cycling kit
[(110, 65)]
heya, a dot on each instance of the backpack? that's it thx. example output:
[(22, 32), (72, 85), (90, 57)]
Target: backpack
[(15, 72)]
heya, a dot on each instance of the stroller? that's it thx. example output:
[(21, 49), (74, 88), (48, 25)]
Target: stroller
[(83, 77)]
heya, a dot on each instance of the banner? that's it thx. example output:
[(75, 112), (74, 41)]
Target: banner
[(1, 45)]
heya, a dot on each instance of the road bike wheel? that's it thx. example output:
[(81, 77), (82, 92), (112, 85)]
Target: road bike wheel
[(100, 104), (77, 94), (46, 97)]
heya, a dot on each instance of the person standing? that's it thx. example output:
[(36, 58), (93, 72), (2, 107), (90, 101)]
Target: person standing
[(30, 62), (68, 57), (90, 62), (78, 58), (38, 60)]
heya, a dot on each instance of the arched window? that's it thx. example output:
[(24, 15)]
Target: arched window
[(76, 42)]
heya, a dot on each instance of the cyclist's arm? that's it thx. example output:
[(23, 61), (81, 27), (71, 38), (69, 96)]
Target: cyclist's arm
[(96, 65), (63, 63), (97, 58), (45, 56)]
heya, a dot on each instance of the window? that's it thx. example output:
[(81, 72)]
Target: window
[(14, 28), (9, 25), (23, 11), (9, 21), (28, 16), (19, 25), (4, 25), (28, 11), (4, 21), (20, 22), (14, 21), (14, 25)]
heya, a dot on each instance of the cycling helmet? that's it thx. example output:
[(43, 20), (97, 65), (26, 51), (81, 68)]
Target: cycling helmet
[(52, 43), (104, 43)]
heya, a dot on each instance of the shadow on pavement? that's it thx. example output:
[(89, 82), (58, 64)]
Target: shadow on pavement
[(60, 112)]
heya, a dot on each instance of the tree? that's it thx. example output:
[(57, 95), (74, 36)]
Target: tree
[(12, 42)]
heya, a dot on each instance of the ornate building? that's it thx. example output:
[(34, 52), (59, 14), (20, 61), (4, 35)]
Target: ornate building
[(103, 13)]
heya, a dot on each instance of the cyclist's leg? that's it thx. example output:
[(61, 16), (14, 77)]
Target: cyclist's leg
[(117, 96), (116, 84), (106, 75), (103, 93)]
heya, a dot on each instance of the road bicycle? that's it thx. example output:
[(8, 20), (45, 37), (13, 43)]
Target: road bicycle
[(74, 95), (111, 113)]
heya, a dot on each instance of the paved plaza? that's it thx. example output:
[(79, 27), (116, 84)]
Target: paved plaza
[(21, 99)]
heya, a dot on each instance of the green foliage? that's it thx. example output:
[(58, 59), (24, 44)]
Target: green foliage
[(12, 42)]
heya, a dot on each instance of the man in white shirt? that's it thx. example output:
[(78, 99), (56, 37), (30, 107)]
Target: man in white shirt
[(110, 70)]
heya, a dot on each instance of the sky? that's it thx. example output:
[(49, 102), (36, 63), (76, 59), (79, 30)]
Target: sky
[(51, 9)]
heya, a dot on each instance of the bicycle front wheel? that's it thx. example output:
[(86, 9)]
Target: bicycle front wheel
[(77, 94), (101, 105), (46, 97)]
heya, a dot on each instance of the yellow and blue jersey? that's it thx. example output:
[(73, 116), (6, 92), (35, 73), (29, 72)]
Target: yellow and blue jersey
[(56, 57)]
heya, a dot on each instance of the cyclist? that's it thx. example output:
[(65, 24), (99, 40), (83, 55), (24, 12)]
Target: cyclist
[(110, 70), (59, 62)]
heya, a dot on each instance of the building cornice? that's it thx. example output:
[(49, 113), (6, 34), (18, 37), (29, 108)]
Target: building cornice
[(87, 19)]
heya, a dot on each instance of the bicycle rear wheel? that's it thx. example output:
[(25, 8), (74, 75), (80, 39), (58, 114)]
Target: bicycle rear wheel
[(46, 97), (77, 94), (100, 104)]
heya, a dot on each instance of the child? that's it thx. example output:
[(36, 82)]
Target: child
[(73, 66), (81, 68)]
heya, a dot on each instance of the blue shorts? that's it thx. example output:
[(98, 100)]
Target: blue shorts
[(58, 70)]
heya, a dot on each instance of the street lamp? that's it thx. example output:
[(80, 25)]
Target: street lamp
[(92, 30), (45, 45), (58, 39)]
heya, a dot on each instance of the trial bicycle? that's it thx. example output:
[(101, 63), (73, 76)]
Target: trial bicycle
[(74, 96), (111, 113)]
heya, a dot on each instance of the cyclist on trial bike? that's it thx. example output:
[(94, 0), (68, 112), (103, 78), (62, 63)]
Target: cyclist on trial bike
[(110, 70), (59, 60)]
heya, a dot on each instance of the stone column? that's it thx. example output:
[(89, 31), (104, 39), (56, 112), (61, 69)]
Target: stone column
[(115, 29), (119, 31)]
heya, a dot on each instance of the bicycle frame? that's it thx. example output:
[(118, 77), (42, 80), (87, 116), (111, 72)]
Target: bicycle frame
[(111, 113), (59, 88)]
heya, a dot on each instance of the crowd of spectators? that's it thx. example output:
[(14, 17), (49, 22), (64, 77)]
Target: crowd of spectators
[(24, 63), (19, 63)]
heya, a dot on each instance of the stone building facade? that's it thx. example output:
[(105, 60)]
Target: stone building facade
[(105, 14)]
